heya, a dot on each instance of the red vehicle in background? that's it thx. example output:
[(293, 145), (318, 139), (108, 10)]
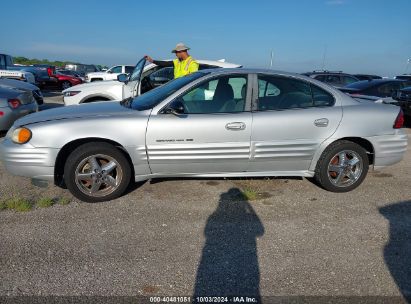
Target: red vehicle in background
[(66, 81), (55, 79)]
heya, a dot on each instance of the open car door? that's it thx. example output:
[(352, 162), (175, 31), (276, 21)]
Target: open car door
[(133, 86)]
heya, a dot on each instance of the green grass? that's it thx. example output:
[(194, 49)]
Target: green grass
[(45, 202), (3, 205), (249, 194), (64, 201), (18, 204)]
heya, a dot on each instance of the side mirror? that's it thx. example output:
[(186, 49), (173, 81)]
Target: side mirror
[(122, 78), (176, 108)]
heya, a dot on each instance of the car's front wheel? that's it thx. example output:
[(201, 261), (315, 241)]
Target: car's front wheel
[(96, 172), (342, 167)]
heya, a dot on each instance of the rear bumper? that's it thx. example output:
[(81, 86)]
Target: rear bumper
[(11, 115), (26, 160), (389, 149)]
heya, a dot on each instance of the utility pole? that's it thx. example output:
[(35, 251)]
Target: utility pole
[(406, 67), (271, 61)]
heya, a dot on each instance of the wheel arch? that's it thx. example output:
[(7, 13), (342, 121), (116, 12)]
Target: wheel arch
[(97, 96), (364, 143), (68, 148)]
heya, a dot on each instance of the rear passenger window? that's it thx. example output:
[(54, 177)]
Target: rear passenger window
[(321, 98), (280, 93)]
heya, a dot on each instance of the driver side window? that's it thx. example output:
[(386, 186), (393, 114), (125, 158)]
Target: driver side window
[(225, 94), (116, 69)]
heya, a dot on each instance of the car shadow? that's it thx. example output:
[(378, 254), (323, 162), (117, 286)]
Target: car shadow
[(397, 252), (229, 260)]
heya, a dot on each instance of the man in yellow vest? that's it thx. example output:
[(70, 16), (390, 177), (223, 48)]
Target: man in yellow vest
[(183, 65)]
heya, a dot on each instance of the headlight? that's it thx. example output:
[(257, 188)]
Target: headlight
[(71, 93), (21, 135)]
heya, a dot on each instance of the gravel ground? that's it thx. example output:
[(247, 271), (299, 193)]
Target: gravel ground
[(197, 237)]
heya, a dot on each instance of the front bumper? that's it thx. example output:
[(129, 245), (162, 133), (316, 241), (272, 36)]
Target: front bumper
[(28, 161), (11, 115)]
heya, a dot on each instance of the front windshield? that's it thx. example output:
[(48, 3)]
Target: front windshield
[(155, 96)]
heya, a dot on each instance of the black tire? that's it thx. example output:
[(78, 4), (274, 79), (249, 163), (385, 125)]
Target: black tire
[(80, 163), (65, 85), (348, 176)]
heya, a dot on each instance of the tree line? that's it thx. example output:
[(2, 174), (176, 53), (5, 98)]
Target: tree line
[(29, 61)]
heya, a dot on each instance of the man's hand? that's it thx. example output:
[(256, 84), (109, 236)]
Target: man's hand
[(148, 58)]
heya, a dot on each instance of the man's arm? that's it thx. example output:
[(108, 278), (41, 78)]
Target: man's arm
[(163, 64), (160, 63)]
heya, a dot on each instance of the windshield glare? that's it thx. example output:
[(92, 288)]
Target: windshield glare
[(152, 98)]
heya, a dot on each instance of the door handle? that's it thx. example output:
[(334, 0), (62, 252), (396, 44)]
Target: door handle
[(322, 122), (235, 126)]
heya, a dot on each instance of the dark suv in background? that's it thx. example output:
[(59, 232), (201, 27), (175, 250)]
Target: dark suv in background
[(336, 79)]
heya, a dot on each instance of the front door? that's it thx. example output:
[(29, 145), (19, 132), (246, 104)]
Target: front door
[(213, 134), (132, 87), (291, 119)]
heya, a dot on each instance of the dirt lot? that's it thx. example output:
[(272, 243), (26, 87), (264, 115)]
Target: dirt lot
[(198, 237)]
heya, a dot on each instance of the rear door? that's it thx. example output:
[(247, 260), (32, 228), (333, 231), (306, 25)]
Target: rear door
[(291, 118)]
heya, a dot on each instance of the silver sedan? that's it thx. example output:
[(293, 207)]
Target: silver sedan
[(213, 123), (14, 103)]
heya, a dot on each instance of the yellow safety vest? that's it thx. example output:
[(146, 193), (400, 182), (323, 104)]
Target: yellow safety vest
[(185, 67)]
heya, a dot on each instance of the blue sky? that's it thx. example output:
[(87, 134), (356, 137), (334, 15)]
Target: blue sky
[(356, 36)]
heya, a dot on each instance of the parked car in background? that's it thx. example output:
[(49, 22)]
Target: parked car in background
[(378, 90), (71, 73), (336, 79), (82, 69), (403, 77), (15, 103), (403, 97), (23, 86), (110, 74), (212, 123), (43, 76), (366, 76), (152, 76), (10, 71), (67, 81)]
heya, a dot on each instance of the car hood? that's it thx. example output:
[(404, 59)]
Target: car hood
[(89, 110), (95, 84)]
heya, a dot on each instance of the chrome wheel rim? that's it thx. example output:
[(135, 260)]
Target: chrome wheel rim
[(66, 85), (345, 168), (98, 175)]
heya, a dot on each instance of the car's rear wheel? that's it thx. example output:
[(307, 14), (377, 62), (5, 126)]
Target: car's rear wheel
[(65, 85), (96, 172), (342, 167)]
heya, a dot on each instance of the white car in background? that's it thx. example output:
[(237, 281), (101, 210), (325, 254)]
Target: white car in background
[(142, 79), (110, 74)]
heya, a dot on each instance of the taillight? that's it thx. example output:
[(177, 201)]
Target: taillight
[(14, 103), (1, 113), (49, 71), (399, 121)]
